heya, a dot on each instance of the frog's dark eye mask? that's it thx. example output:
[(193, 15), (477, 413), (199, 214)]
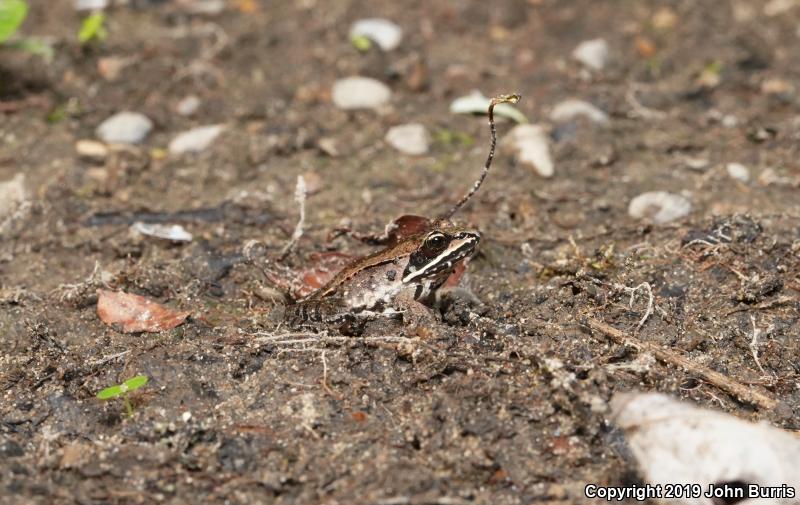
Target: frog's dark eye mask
[(439, 253)]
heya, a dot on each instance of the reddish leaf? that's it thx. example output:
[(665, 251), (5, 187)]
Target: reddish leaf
[(136, 313), (326, 266), (406, 226)]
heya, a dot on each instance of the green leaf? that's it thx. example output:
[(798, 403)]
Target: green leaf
[(135, 383), (12, 14), (361, 42), (110, 392), (34, 46), (92, 28)]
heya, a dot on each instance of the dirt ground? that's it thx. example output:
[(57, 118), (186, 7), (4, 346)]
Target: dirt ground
[(508, 407)]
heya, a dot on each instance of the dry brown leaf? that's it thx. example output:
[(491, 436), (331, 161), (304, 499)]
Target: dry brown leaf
[(136, 313)]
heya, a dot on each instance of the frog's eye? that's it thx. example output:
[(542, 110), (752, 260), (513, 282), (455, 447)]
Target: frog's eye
[(435, 241)]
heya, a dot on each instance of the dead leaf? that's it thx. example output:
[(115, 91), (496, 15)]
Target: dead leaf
[(136, 313), (325, 266)]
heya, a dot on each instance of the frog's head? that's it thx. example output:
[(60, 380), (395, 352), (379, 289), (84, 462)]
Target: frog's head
[(438, 252)]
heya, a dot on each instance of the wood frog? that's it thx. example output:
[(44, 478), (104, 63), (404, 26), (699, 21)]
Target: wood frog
[(399, 280), (404, 277)]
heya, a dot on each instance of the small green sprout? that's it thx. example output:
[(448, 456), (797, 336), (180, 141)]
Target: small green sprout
[(12, 14), (92, 28), (361, 42), (122, 390)]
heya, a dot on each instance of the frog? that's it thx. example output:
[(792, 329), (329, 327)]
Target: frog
[(401, 280)]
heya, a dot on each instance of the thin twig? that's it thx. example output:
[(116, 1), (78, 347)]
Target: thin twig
[(649, 311), (486, 166), (754, 344), (325, 385), (723, 382), (300, 193)]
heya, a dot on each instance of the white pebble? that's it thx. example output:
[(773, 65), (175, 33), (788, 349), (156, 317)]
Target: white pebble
[(188, 105), (409, 138), (659, 206), (360, 93), (572, 108), (195, 140), (124, 128), (381, 31), (90, 5), (532, 145), (592, 53), (698, 164), (175, 232), (738, 172), (729, 121), (476, 103)]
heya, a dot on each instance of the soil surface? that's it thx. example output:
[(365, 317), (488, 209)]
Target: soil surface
[(504, 402)]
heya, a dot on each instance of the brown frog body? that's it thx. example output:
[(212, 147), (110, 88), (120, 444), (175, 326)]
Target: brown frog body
[(399, 280)]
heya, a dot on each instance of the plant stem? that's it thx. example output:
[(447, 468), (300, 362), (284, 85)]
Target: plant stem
[(128, 405)]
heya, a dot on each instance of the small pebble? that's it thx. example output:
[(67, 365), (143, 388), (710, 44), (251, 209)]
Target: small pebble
[(124, 128), (532, 145), (776, 87), (409, 138), (209, 7), (91, 149), (659, 206), (738, 172), (570, 109), (664, 19), (360, 93), (729, 121), (175, 232), (381, 31), (188, 105), (194, 140), (477, 103), (90, 5), (697, 164), (777, 7), (592, 53)]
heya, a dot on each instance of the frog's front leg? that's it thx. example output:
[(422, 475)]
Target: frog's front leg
[(415, 313)]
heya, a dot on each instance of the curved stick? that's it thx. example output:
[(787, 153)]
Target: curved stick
[(514, 98)]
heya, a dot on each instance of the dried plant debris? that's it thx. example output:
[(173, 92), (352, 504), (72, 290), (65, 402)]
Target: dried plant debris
[(677, 443)]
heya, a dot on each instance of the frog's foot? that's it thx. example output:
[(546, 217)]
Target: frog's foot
[(459, 305)]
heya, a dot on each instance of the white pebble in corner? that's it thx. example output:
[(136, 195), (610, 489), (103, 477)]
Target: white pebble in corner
[(411, 138), (532, 144), (124, 128), (592, 53), (360, 93), (195, 140), (381, 31), (659, 206), (738, 172)]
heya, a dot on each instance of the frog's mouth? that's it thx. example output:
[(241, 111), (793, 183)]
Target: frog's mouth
[(461, 246)]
